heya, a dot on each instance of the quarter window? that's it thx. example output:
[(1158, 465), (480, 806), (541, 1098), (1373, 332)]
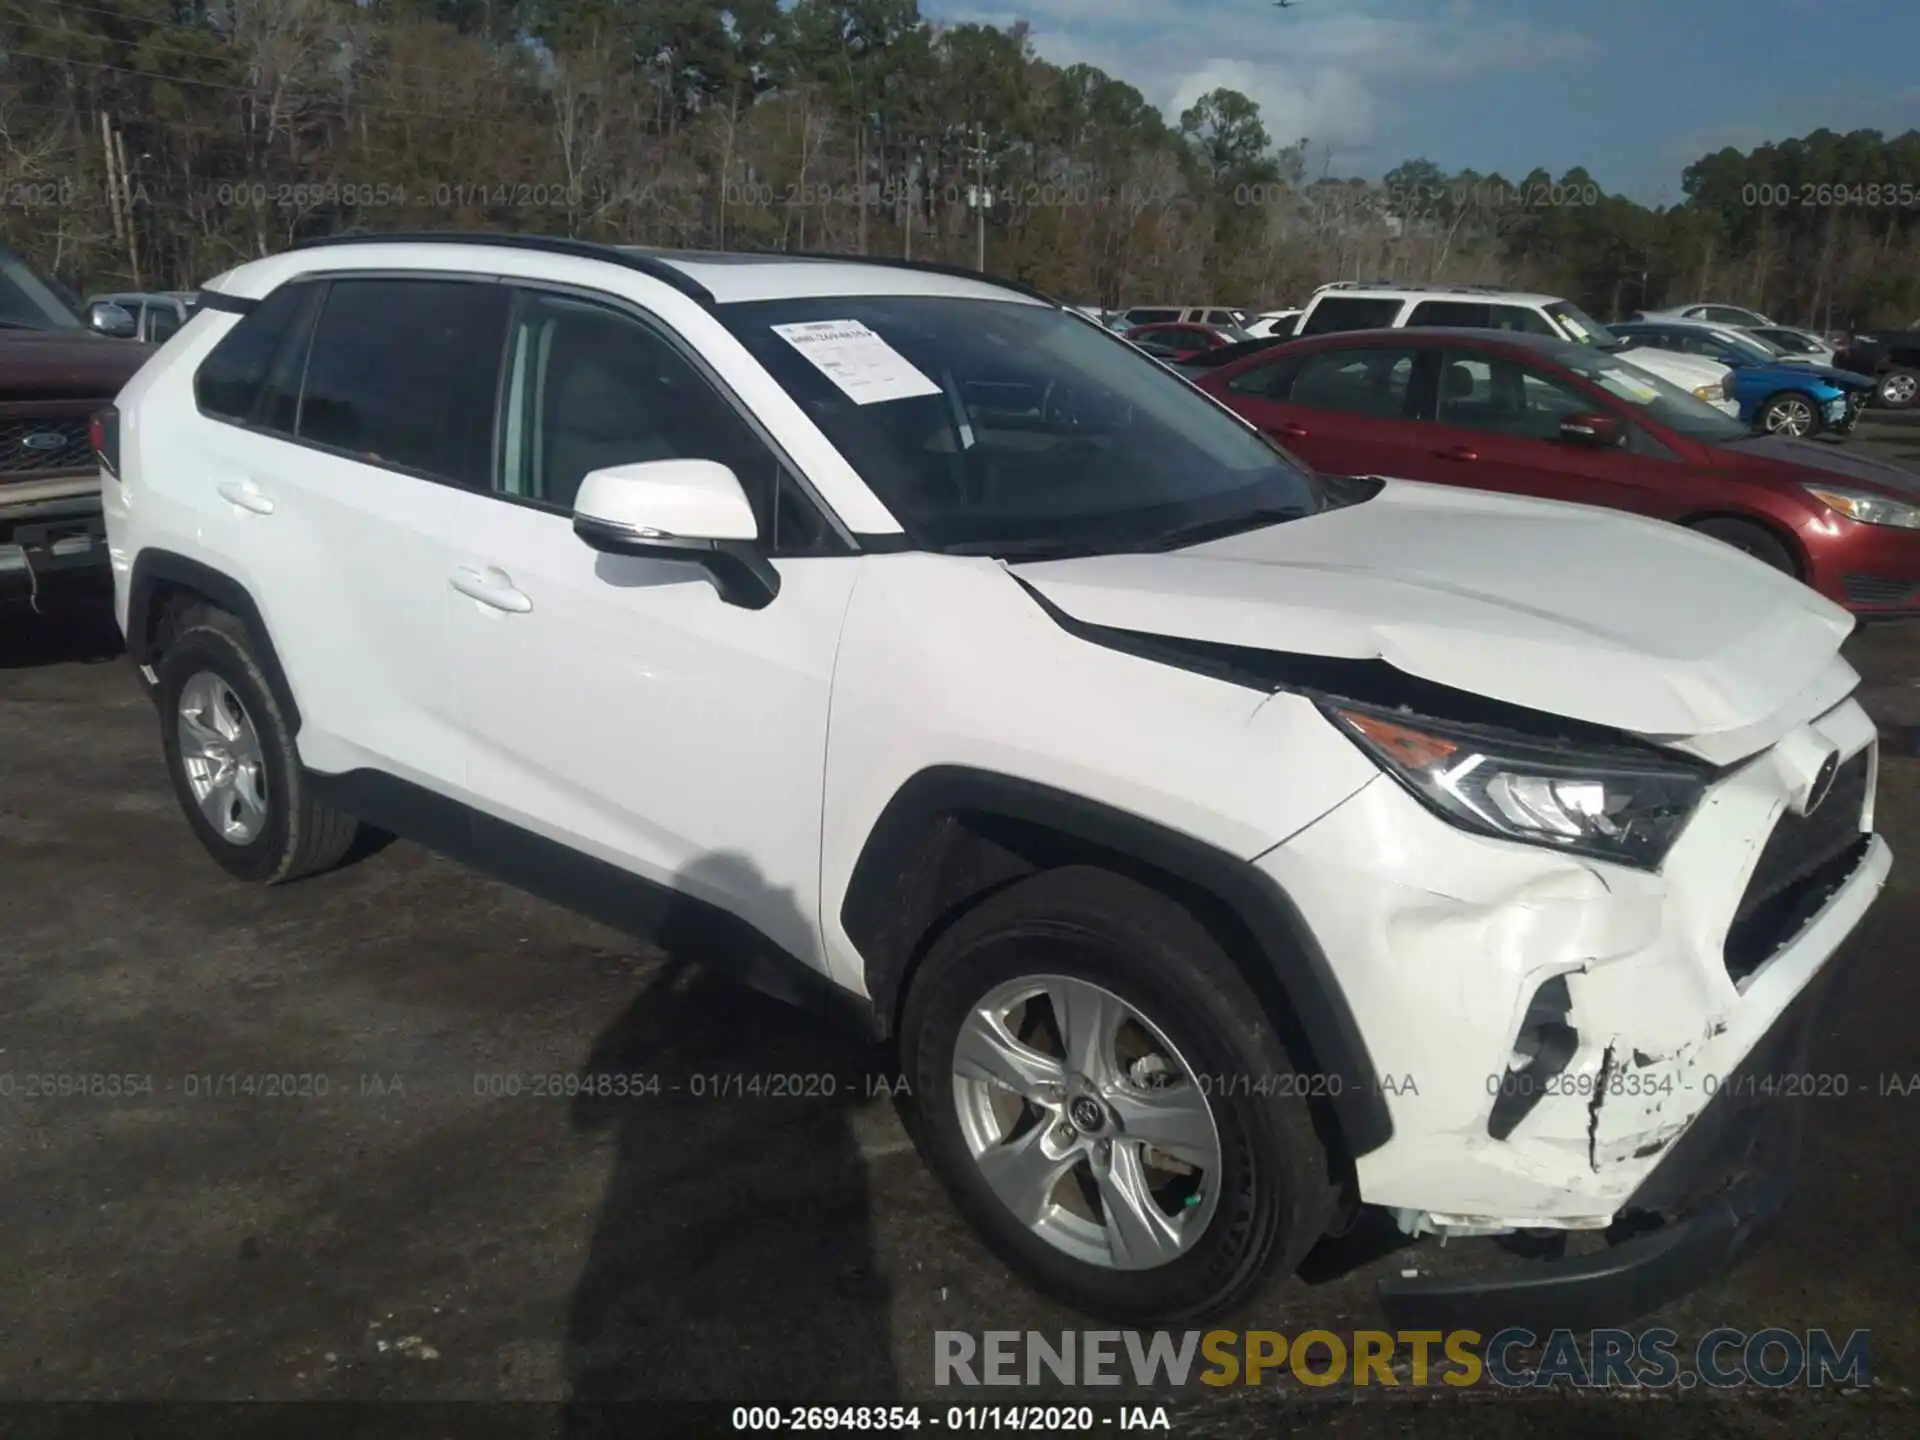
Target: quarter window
[(401, 374), (589, 387)]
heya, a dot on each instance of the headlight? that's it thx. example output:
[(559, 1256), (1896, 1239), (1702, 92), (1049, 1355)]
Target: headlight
[(1621, 806), (1867, 509), (1708, 393)]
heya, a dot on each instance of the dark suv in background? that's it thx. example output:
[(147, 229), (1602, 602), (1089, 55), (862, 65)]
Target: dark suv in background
[(55, 373)]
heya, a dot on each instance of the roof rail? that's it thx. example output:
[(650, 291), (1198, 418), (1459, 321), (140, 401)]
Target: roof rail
[(549, 244), (931, 267)]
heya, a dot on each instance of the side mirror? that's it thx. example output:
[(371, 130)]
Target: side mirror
[(1597, 432), (111, 319), (692, 511)]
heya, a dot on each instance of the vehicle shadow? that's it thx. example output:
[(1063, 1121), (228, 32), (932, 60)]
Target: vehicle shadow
[(71, 634), (733, 1258)]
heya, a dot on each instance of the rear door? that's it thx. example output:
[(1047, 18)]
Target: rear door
[(1345, 410), (334, 485), (1496, 426)]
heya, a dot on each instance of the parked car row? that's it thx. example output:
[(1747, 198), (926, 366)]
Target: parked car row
[(941, 660)]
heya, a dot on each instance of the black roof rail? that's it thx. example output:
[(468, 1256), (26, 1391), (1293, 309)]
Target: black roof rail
[(931, 267), (549, 244)]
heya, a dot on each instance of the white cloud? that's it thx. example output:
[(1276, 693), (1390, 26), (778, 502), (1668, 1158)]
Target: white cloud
[(1335, 75)]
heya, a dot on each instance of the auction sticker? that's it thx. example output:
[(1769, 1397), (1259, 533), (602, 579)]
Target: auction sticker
[(862, 364)]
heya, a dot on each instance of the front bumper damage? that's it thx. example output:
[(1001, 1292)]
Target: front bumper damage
[(1670, 988)]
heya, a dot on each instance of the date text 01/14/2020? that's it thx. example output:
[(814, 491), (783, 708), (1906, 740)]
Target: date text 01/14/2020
[(1040, 1419)]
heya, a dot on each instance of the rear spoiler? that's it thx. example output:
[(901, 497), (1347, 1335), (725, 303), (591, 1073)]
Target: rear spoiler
[(231, 304)]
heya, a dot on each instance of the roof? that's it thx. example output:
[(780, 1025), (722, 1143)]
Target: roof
[(1464, 294), (1551, 346), (719, 277)]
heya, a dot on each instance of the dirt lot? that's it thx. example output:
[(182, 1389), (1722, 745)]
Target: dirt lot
[(399, 1231)]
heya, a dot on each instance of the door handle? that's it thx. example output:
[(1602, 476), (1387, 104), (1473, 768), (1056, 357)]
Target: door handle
[(246, 495), (1292, 431), (495, 588), (1456, 452)]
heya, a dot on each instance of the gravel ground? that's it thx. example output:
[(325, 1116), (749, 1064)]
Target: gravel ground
[(398, 1230)]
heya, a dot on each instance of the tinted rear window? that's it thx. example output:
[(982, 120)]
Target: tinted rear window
[(401, 374), (1349, 313)]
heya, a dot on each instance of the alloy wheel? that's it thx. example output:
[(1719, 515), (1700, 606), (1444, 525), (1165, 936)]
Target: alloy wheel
[(1087, 1122), (1899, 389), (220, 753), (1790, 417)]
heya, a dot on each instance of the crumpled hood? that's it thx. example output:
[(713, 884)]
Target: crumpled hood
[(1585, 613)]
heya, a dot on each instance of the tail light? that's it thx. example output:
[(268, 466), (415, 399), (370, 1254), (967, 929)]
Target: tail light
[(103, 433)]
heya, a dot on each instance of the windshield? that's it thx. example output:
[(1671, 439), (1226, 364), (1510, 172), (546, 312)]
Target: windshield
[(1002, 428), (29, 302), (1752, 346), (1658, 401), (1582, 328)]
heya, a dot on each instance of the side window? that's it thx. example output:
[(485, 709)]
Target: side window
[(1727, 315), (230, 378), (401, 374), (1501, 396), (1449, 312), (163, 322), (1372, 382), (588, 386), (1343, 312), (1273, 381), (1518, 317)]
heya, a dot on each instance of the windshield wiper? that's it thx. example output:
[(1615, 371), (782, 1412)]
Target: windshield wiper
[(1202, 530)]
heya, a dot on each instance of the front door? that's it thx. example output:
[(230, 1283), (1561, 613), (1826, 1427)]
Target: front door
[(616, 704)]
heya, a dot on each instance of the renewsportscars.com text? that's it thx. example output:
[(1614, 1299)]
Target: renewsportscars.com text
[(1722, 1358)]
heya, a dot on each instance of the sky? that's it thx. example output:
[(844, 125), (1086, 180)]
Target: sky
[(1634, 90)]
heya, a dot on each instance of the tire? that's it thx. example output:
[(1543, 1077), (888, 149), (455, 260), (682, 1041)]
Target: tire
[(1898, 389), (1752, 539), (273, 829), (1789, 413), (1260, 1202)]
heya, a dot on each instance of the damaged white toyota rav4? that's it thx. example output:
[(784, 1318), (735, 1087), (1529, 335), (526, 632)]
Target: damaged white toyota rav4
[(1224, 848)]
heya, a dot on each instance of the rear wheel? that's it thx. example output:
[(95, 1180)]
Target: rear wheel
[(1899, 388), (1745, 536), (1789, 413), (232, 760), (1106, 1103)]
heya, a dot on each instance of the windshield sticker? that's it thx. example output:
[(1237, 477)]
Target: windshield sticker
[(864, 366), (1580, 332)]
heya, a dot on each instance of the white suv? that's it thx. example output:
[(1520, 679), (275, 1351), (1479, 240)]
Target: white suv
[(1223, 849), (1347, 306)]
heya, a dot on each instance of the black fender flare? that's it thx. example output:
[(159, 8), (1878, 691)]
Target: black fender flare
[(901, 858), (156, 571)]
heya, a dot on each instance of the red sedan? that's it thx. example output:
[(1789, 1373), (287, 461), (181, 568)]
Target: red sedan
[(1543, 417), (1174, 343)]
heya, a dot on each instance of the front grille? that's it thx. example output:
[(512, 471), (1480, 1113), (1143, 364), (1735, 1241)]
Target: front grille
[(27, 448), (1806, 859), (1876, 590)]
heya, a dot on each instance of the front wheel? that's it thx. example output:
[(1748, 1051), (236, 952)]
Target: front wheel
[(1745, 536), (1790, 414), (1898, 389), (1106, 1103)]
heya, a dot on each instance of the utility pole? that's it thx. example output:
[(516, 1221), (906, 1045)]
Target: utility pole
[(979, 196)]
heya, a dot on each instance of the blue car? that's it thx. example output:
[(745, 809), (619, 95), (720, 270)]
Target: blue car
[(1777, 394)]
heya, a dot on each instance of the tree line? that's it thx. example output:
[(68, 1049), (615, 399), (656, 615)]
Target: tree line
[(158, 142)]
